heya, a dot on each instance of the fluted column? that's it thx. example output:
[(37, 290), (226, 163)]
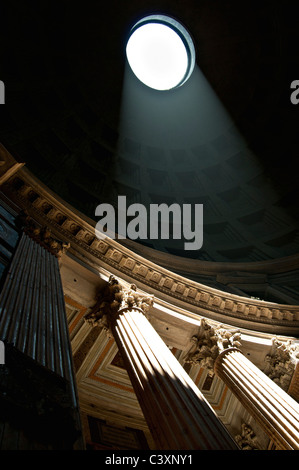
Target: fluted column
[(274, 410), (177, 414), (32, 309), (294, 385), (219, 350)]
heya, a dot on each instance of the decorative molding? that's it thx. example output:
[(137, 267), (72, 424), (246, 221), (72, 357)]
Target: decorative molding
[(42, 205)]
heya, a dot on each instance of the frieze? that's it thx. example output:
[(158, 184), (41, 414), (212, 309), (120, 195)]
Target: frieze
[(192, 293), (168, 283), (129, 263), (44, 206)]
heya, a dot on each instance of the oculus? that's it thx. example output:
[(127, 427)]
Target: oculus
[(160, 52)]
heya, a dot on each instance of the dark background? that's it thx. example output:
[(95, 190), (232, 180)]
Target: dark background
[(64, 64)]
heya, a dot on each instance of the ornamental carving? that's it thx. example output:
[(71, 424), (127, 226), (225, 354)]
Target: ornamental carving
[(113, 299), (41, 235), (46, 209), (247, 440), (209, 343), (281, 362)]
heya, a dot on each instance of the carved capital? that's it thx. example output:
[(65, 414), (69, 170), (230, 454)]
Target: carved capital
[(114, 300), (41, 235), (209, 343), (281, 362)]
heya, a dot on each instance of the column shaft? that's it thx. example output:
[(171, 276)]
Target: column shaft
[(33, 317), (178, 415), (275, 411), (32, 310)]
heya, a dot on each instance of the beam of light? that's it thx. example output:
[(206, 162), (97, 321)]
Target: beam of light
[(185, 130), (186, 117)]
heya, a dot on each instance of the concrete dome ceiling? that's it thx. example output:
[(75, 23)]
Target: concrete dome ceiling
[(227, 139)]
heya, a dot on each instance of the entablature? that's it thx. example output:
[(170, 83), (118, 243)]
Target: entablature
[(108, 255)]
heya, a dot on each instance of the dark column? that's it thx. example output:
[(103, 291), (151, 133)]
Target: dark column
[(33, 323)]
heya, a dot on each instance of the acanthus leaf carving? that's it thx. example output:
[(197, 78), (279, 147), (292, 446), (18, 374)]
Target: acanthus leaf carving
[(115, 298), (247, 439), (209, 343), (41, 235), (281, 362)]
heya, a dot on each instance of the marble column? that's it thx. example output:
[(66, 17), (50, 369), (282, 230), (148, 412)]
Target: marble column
[(273, 409), (294, 385), (32, 310), (177, 414), (218, 349)]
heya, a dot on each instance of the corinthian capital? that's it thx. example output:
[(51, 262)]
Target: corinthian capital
[(41, 235), (114, 299), (209, 343), (281, 362), (132, 299)]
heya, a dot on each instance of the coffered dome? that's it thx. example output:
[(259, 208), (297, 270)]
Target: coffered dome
[(227, 139)]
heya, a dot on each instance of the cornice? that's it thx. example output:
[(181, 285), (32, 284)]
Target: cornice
[(70, 226), (192, 266)]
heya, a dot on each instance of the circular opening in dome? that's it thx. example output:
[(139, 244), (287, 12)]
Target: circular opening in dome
[(160, 52)]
